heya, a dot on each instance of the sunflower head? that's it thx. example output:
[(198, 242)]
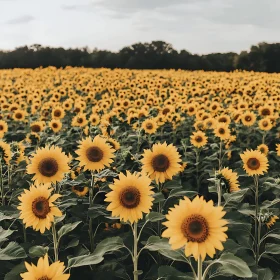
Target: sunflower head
[(230, 179), (199, 139), (131, 196), (80, 190), (45, 271), (196, 225), (37, 209), (48, 165), (254, 162), (263, 149), (95, 154)]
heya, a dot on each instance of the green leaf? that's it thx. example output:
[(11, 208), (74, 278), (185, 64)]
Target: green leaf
[(271, 248), (181, 192), (155, 243), (265, 274), (14, 274), (66, 229), (235, 196), (73, 243), (13, 251), (84, 260), (4, 217), (154, 217), (4, 234), (170, 273), (97, 211), (38, 251), (232, 265), (159, 197)]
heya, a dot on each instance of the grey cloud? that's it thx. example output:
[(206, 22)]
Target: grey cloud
[(21, 20)]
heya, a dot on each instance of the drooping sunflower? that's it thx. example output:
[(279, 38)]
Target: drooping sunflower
[(114, 143), (278, 149), (222, 131), (196, 225), (271, 221), (37, 209), (131, 196), (199, 139), (55, 125), (263, 149), (161, 162), (95, 154), (5, 152), (254, 162), (49, 165), (231, 179), (3, 128), (45, 271), (80, 190), (150, 126)]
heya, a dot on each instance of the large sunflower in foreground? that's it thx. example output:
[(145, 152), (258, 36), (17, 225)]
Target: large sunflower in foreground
[(49, 165), (95, 154), (161, 162), (255, 162), (45, 271), (37, 209), (131, 196), (196, 225)]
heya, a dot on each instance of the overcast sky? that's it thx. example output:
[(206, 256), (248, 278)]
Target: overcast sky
[(199, 26)]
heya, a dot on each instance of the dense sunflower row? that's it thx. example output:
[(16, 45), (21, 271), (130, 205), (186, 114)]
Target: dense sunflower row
[(121, 174)]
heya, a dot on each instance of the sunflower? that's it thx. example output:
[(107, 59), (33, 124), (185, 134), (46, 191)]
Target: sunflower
[(131, 196), (55, 125), (222, 131), (265, 124), (278, 149), (150, 126), (95, 154), (45, 271), (79, 190), (199, 139), (197, 225), (58, 113), (271, 221), (263, 149), (114, 143), (19, 115), (49, 165), (37, 209), (231, 179), (94, 119), (3, 128), (248, 118), (161, 162), (5, 152), (37, 126), (80, 120), (255, 163)]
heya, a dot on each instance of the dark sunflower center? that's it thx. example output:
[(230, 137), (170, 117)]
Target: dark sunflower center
[(198, 139), (223, 120), (221, 131), (57, 113), (44, 278), (262, 150), (214, 107), (48, 167), (55, 125), (265, 123), (248, 118), (160, 163), (191, 109), (94, 154), (166, 111), (195, 228), (149, 126), (265, 112), (1, 127), (130, 197), (36, 128), (41, 207), (80, 120), (18, 115), (253, 163)]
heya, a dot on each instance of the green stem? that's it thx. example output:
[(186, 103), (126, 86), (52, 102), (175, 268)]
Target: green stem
[(258, 240), (219, 191), (220, 155), (256, 218), (55, 243), (197, 169), (90, 219), (199, 268), (24, 233), (135, 252), (9, 177)]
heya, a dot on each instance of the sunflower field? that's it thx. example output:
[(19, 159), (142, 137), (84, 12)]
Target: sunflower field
[(139, 174)]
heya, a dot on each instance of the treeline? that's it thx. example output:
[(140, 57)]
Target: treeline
[(155, 55)]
